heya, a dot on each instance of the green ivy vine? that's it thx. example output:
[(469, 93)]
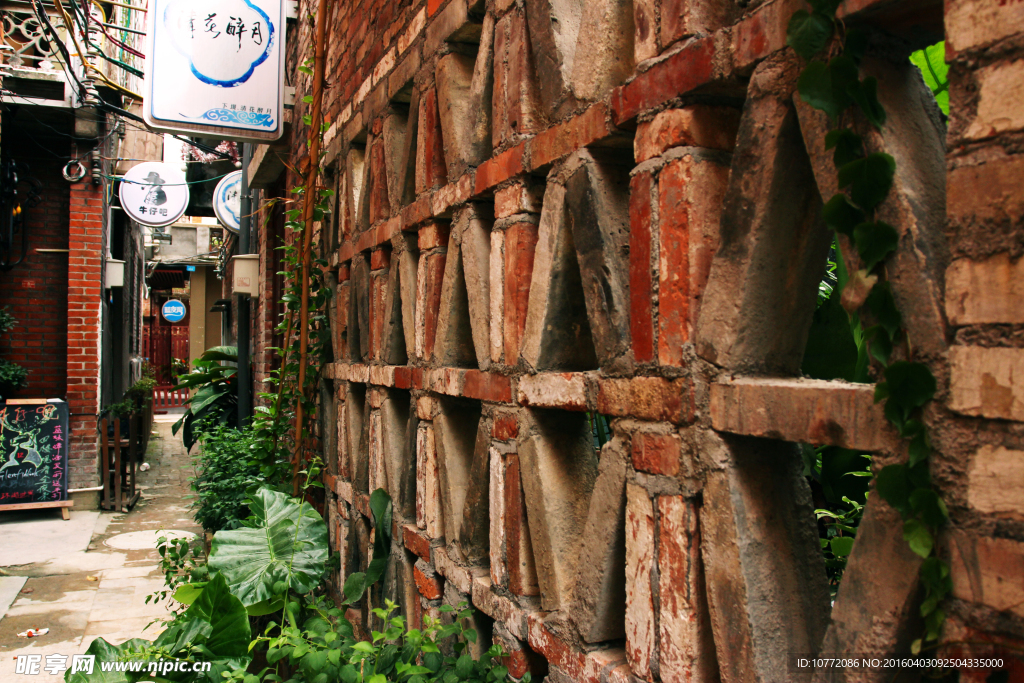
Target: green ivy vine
[(274, 417), (831, 82)]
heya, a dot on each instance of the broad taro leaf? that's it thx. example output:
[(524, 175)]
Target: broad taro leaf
[(287, 542), (214, 629), (105, 652), (228, 353), (226, 614)]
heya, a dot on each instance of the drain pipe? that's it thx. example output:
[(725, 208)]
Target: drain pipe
[(244, 326)]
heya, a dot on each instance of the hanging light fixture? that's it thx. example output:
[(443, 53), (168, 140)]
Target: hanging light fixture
[(12, 212)]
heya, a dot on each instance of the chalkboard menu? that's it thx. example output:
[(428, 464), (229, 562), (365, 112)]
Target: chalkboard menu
[(33, 451)]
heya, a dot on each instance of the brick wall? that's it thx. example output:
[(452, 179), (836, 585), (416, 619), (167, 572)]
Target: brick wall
[(85, 265), (36, 290), (548, 209)]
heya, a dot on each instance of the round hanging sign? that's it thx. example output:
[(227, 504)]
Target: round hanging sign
[(227, 201), (173, 311), (154, 194)]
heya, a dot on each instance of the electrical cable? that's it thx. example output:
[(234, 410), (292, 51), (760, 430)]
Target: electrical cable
[(127, 67), (82, 53), (187, 182), (44, 21), (135, 117)]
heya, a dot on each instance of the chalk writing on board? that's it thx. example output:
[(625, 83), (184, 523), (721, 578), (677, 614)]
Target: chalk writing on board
[(33, 452)]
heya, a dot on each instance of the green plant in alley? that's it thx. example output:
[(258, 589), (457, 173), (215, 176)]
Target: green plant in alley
[(227, 473), (216, 397), (181, 561), (324, 649), (831, 83), (214, 629)]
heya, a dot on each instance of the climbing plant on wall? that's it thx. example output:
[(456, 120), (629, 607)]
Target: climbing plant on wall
[(831, 82)]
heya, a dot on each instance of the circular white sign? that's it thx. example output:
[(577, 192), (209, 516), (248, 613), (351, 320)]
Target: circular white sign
[(173, 311), (154, 194), (227, 201)]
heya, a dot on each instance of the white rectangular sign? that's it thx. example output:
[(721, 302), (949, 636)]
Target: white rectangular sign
[(216, 67)]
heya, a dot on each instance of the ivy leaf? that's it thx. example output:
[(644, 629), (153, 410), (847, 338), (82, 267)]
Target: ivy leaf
[(354, 587), (826, 86), (856, 44), (919, 448), (918, 537), (875, 241), (841, 215), (927, 503), (880, 346), (883, 307), (464, 666), (893, 484), (848, 145), (808, 33), (865, 95), (911, 385), (933, 624), (869, 179)]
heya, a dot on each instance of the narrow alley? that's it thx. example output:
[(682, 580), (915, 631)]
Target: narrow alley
[(89, 577)]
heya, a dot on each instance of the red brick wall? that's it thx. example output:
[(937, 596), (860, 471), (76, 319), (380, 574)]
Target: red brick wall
[(85, 263), (624, 221), (35, 291)]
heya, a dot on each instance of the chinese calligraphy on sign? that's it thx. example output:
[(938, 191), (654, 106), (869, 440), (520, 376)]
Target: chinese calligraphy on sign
[(204, 50)]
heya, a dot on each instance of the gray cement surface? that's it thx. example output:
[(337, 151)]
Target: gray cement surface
[(89, 577)]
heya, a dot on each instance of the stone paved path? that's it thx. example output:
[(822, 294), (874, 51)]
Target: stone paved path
[(96, 575)]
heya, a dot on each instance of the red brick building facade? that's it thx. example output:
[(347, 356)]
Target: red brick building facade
[(548, 211)]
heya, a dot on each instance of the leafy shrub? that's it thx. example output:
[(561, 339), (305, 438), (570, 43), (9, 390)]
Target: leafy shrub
[(12, 377), (7, 321), (225, 471), (216, 399), (324, 648)]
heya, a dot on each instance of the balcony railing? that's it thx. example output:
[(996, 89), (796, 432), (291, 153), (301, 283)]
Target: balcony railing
[(112, 41)]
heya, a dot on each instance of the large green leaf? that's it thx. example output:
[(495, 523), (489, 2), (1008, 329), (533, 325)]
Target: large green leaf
[(106, 652), (207, 395), (225, 613), (288, 542), (932, 63), (228, 353)]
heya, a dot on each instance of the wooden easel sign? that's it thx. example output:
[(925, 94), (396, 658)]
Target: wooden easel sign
[(34, 455)]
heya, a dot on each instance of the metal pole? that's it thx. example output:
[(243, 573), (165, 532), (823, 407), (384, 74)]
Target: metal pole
[(244, 376)]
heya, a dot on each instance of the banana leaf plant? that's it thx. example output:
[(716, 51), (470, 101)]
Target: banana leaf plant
[(216, 397)]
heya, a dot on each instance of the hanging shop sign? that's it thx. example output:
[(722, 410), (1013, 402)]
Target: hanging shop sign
[(216, 67), (154, 194), (227, 201), (173, 311)]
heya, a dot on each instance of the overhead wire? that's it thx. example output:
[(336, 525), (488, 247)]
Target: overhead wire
[(44, 23), (82, 53)]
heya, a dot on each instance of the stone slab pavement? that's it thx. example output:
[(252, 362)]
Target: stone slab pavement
[(89, 577)]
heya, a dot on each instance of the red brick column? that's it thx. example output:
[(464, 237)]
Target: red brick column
[(85, 264)]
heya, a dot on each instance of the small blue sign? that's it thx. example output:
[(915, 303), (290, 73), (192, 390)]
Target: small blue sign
[(173, 311), (190, 269)]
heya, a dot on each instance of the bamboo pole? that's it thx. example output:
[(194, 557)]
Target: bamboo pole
[(316, 120)]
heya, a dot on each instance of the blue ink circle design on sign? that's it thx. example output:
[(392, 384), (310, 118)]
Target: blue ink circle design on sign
[(173, 311), (227, 202), (271, 30)]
